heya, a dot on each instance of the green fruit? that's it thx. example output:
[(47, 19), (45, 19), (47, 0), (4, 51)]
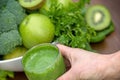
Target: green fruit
[(100, 35), (47, 5), (31, 4), (64, 4), (98, 17), (36, 29), (17, 52), (43, 62)]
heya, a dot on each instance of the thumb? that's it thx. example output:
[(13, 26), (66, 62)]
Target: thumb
[(65, 51), (69, 75)]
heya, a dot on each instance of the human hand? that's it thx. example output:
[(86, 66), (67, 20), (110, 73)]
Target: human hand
[(85, 65)]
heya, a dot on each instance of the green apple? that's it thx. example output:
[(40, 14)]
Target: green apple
[(17, 52), (35, 29), (64, 4)]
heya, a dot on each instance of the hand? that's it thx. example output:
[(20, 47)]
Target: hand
[(85, 65)]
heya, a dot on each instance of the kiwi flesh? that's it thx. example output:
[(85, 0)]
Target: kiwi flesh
[(98, 17), (31, 4)]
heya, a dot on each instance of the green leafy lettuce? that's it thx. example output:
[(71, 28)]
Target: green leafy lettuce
[(71, 27), (5, 74)]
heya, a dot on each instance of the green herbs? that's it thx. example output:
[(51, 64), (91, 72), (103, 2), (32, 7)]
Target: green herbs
[(5, 74), (71, 27)]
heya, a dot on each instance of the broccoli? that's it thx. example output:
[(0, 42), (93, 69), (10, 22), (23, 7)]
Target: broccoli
[(15, 8), (7, 21), (3, 3), (11, 15), (9, 40)]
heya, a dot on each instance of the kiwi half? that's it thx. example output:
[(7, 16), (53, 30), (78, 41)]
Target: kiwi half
[(31, 4), (98, 17)]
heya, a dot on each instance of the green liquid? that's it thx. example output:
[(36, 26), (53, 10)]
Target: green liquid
[(43, 62)]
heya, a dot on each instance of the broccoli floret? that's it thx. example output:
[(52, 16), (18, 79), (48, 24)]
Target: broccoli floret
[(7, 21), (15, 8), (9, 40), (3, 3), (11, 15)]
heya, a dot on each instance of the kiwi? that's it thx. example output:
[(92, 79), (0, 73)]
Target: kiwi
[(31, 4), (98, 17)]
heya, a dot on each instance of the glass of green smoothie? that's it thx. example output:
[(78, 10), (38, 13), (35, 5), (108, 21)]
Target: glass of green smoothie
[(43, 62)]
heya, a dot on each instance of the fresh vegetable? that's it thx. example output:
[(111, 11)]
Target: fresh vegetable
[(71, 28), (8, 41), (98, 17), (36, 29), (17, 52), (31, 4), (16, 10), (11, 14), (100, 35), (7, 21), (5, 74)]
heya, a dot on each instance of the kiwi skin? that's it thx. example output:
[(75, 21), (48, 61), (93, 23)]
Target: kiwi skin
[(103, 20), (100, 35), (36, 6)]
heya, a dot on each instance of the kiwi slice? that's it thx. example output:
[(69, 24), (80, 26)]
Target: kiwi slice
[(98, 17), (31, 4)]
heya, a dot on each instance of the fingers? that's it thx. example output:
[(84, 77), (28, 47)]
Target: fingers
[(65, 51), (68, 75), (68, 64)]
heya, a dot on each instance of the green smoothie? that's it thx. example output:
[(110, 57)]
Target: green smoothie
[(43, 62)]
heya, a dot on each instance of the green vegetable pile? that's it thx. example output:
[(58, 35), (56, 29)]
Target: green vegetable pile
[(71, 27), (5, 74), (11, 15)]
